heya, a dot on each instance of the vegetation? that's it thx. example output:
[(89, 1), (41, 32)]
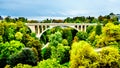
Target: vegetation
[(98, 47)]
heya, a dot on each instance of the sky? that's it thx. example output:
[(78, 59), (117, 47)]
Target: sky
[(40, 9)]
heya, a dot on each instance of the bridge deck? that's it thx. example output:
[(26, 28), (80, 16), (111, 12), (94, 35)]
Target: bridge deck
[(59, 24)]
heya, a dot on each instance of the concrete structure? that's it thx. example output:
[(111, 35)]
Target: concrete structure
[(40, 28)]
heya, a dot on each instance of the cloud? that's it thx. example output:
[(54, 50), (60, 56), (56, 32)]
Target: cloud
[(58, 8), (74, 12)]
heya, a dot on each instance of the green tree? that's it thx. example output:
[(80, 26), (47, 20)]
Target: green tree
[(67, 34), (55, 38), (61, 53), (82, 35), (98, 29), (8, 49), (26, 56)]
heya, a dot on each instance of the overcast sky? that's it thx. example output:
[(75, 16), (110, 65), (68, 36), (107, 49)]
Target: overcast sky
[(58, 8)]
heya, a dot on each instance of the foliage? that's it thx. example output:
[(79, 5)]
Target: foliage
[(67, 34), (1, 39), (7, 66), (50, 63), (8, 49), (110, 33), (26, 56), (55, 38), (1, 28), (109, 57), (83, 55), (36, 44), (82, 35), (75, 39), (91, 38), (46, 52), (61, 53), (18, 36), (65, 42), (98, 29), (23, 66), (89, 29)]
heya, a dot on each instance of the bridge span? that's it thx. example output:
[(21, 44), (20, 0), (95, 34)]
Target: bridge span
[(39, 28)]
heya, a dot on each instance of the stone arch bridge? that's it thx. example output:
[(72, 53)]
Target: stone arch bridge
[(40, 28)]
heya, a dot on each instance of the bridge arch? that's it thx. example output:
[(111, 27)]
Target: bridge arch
[(39, 36)]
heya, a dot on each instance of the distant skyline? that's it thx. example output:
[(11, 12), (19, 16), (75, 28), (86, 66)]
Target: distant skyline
[(39, 9)]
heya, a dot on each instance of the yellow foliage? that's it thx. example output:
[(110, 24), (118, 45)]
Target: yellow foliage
[(83, 55)]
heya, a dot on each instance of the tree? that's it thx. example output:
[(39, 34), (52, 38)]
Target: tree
[(67, 34), (83, 55), (55, 38), (109, 58), (98, 29), (82, 35), (18, 36), (26, 56), (61, 53), (8, 49)]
